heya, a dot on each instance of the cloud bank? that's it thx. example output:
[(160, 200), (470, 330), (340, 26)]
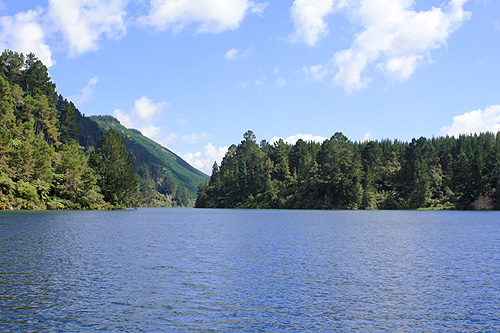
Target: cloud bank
[(394, 38), (142, 118), (205, 160), (24, 33), (476, 121), (309, 19), (294, 138), (83, 24), (209, 16)]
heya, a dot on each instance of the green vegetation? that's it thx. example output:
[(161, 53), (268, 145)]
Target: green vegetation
[(156, 166), (41, 163), (116, 175), (437, 173), (53, 157)]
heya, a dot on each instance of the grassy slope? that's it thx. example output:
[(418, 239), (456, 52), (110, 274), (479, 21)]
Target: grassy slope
[(145, 151)]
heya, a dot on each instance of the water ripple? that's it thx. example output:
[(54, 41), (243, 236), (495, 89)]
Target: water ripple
[(237, 271)]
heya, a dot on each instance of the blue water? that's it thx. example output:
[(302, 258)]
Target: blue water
[(245, 271)]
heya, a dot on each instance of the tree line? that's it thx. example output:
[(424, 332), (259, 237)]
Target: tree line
[(43, 165), (437, 173)]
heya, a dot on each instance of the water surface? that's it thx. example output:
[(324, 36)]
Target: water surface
[(249, 270)]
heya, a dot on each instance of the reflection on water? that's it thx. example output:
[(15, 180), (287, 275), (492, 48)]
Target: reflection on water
[(239, 270)]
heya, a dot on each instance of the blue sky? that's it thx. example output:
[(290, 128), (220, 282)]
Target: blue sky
[(194, 75)]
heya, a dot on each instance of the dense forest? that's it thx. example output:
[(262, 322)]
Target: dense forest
[(53, 157), (437, 173), (161, 172)]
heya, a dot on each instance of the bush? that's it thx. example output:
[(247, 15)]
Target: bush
[(27, 191)]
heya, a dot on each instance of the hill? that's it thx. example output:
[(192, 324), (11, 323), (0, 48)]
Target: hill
[(152, 162), (53, 157)]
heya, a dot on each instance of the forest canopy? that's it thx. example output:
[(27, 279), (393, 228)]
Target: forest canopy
[(436, 173), (52, 157)]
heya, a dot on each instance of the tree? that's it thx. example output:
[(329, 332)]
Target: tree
[(279, 156), (68, 115), (339, 172), (75, 181), (35, 80), (442, 173), (249, 136), (11, 64), (371, 158), (182, 196), (166, 186), (114, 170), (45, 118)]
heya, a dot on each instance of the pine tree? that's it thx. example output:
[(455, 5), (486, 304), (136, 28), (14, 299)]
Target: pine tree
[(166, 186), (75, 181), (115, 172), (68, 115)]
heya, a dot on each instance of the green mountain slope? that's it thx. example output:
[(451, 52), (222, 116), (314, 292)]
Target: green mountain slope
[(151, 161)]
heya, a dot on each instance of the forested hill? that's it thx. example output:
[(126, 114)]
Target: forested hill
[(151, 161), (53, 157), (437, 173)]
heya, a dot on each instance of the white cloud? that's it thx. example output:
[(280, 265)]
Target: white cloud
[(124, 118), (142, 118), (205, 160), (83, 23), (294, 138), (476, 121), (280, 81), (368, 136), (394, 38), (167, 139), (24, 33), (86, 92), (401, 68), (308, 17), (316, 73), (146, 109), (234, 54), (211, 16), (258, 8), (193, 138), (231, 54)]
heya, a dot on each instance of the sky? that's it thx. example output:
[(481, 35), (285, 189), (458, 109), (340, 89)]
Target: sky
[(195, 75)]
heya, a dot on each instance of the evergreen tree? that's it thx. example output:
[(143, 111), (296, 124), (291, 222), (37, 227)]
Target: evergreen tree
[(182, 196), (11, 64), (68, 117), (75, 180), (443, 173), (167, 185), (339, 174), (35, 80), (115, 173)]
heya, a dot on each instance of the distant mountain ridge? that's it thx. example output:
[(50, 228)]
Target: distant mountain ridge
[(152, 162)]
